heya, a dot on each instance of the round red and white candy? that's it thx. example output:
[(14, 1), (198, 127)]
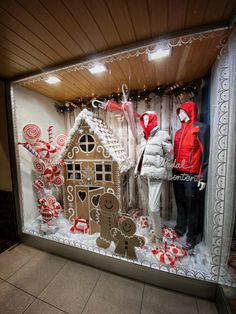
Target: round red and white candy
[(176, 250), (47, 214), (58, 181), (61, 139), (31, 132), (143, 222), (51, 200), (164, 257), (38, 185), (169, 233), (39, 165)]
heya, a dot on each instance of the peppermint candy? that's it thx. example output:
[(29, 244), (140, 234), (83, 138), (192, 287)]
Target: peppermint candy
[(50, 173), (169, 233), (58, 181), (164, 257), (61, 139), (45, 149), (176, 250), (31, 132), (80, 226)]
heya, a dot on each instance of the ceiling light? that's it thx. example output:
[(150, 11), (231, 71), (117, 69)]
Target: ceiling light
[(159, 53), (97, 68), (52, 80)]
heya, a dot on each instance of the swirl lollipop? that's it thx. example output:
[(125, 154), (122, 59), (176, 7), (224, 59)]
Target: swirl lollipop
[(61, 139), (31, 132)]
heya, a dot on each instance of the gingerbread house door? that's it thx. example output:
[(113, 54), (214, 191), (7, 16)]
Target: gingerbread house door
[(82, 201), (94, 195)]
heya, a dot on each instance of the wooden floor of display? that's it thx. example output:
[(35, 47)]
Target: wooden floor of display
[(32, 281)]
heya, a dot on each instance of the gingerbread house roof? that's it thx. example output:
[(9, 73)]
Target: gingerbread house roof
[(106, 136)]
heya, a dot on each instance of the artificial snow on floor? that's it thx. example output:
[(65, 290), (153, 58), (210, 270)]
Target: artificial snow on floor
[(196, 265)]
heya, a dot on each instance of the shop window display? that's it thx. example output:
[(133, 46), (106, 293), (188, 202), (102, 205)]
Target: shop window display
[(163, 150)]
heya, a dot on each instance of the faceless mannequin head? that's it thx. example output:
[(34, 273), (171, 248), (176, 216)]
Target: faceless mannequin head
[(183, 116), (145, 120)]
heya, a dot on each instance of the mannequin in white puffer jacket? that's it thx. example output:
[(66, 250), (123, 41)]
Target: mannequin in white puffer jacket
[(154, 163)]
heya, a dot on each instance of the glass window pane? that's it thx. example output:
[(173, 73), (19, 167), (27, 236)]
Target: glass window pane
[(69, 167), (83, 147), (99, 176), (83, 138), (90, 147), (98, 167), (107, 177), (77, 176), (108, 168), (70, 175), (90, 139), (77, 167)]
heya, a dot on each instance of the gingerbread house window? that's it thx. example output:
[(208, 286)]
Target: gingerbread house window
[(104, 172), (74, 171), (86, 143)]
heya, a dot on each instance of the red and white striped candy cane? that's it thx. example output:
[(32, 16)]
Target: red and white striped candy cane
[(29, 148), (50, 134)]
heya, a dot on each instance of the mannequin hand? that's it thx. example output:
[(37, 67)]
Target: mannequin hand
[(201, 185)]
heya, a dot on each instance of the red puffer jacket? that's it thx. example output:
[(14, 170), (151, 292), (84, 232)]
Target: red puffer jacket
[(191, 144)]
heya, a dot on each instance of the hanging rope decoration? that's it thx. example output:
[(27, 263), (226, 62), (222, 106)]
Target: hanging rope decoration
[(146, 95)]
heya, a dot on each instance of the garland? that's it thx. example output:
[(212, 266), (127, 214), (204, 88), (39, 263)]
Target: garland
[(146, 95)]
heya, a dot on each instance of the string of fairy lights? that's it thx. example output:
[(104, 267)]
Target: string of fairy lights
[(190, 89)]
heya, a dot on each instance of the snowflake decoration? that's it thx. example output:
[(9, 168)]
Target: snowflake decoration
[(88, 174), (81, 131)]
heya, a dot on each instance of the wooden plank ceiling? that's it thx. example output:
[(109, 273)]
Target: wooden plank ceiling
[(36, 34)]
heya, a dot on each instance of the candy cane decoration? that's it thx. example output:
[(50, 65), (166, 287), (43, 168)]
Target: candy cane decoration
[(31, 132), (29, 148), (50, 134)]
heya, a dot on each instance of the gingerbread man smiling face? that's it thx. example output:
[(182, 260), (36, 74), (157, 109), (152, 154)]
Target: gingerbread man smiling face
[(127, 226), (109, 203)]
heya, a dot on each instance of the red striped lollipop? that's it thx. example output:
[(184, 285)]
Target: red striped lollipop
[(61, 139), (31, 132)]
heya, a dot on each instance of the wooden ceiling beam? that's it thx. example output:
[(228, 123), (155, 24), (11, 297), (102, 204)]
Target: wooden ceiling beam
[(216, 27)]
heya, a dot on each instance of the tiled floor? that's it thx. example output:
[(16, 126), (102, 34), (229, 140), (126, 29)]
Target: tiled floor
[(34, 282)]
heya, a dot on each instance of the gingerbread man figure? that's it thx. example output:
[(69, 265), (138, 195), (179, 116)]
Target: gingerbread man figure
[(106, 215), (126, 240)]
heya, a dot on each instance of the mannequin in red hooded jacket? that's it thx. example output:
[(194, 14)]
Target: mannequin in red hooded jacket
[(154, 157), (191, 151)]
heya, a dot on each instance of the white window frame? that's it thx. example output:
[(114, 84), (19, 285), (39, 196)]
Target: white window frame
[(86, 143), (73, 171), (103, 172)]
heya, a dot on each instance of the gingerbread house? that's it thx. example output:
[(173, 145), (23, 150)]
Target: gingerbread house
[(95, 163)]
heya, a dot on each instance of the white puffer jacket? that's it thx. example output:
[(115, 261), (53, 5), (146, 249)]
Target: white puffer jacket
[(155, 156)]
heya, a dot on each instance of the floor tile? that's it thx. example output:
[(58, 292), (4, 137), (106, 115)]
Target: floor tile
[(11, 261), (156, 300), (114, 294), (205, 306), (34, 276), (13, 300), (71, 288), (40, 307)]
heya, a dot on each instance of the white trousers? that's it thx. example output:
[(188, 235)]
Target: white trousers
[(154, 194)]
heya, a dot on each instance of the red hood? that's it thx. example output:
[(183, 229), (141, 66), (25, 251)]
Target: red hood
[(152, 123), (190, 108)]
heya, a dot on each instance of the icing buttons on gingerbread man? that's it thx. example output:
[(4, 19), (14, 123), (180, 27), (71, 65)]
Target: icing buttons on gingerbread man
[(106, 215)]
